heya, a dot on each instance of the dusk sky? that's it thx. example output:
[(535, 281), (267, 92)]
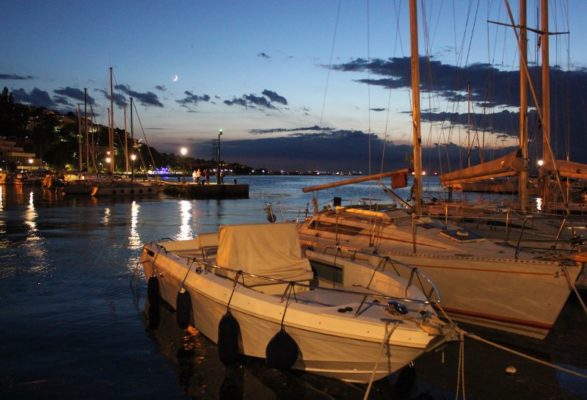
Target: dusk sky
[(273, 72)]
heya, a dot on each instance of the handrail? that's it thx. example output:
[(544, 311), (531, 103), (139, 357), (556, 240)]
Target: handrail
[(373, 293)]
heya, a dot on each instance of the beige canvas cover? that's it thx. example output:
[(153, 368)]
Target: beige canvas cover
[(271, 250)]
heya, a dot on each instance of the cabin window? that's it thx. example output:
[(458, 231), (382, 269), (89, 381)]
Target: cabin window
[(327, 272)]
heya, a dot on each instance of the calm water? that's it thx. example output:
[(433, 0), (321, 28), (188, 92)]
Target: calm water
[(73, 326)]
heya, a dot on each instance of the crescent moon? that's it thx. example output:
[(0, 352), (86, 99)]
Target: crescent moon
[(175, 78)]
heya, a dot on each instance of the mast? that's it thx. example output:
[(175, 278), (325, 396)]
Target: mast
[(546, 151), (469, 124), (79, 139), (86, 129), (125, 142), (523, 176), (417, 187), (111, 128)]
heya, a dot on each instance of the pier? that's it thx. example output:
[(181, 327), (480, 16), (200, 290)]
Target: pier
[(207, 191)]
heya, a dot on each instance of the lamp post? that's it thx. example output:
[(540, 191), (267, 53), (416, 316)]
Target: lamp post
[(218, 158), (183, 151), (133, 157)]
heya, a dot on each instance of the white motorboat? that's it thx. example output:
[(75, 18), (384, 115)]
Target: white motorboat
[(253, 292)]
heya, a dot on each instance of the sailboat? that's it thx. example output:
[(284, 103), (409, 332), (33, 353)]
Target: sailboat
[(482, 282), (121, 186), (551, 170)]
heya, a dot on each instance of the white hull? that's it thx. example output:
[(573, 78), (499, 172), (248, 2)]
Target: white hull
[(331, 343), (480, 283)]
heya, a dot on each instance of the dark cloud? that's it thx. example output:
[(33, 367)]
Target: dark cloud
[(253, 101), (492, 90), (161, 88), (274, 97), (263, 55), (36, 97), (250, 101), (334, 150), (74, 93), (314, 128), (118, 99), (192, 99), (62, 101), (378, 109), (15, 77), (146, 99)]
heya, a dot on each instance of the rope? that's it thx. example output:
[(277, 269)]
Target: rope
[(461, 367), (574, 288), (383, 343), (537, 360)]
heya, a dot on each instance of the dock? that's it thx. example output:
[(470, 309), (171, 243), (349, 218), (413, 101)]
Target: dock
[(207, 191)]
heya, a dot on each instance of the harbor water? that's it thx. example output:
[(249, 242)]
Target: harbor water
[(73, 325)]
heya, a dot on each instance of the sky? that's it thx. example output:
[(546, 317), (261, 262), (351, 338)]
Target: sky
[(285, 76)]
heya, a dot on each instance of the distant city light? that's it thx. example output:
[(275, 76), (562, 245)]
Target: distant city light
[(183, 151)]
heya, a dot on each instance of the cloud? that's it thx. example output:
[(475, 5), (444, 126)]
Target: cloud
[(75, 94), (62, 100), (118, 99), (146, 99), (263, 55), (274, 97), (192, 99), (253, 101), (378, 109), (16, 77), (161, 88), (36, 97), (314, 128), (492, 89)]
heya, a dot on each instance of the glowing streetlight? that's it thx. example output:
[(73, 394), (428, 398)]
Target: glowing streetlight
[(540, 163), (183, 151), (133, 158), (218, 158)]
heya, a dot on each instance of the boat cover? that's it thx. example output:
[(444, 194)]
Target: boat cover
[(271, 250)]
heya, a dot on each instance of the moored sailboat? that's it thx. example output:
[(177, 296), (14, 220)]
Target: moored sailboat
[(482, 282)]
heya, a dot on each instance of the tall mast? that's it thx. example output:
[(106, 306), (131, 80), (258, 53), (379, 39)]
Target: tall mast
[(86, 129), (417, 187), (125, 143), (546, 156), (79, 139), (111, 128), (523, 177)]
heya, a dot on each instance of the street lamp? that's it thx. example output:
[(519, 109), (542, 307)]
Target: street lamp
[(183, 151), (133, 157), (218, 158)]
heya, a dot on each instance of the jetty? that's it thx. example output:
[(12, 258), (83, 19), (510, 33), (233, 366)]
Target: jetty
[(194, 190)]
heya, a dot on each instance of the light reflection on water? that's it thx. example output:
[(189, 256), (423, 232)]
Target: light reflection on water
[(185, 228), (134, 239)]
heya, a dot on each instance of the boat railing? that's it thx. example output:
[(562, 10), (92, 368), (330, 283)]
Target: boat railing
[(414, 277), (238, 275)]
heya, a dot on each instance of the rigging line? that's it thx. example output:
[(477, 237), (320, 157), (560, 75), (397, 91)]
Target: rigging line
[(369, 84), (145, 137), (388, 113), (330, 62)]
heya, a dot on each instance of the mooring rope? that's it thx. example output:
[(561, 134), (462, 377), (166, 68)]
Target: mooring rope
[(574, 288), (383, 343), (537, 360), (461, 367)]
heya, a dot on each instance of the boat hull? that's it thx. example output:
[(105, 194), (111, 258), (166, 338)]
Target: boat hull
[(495, 290), (330, 343)]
